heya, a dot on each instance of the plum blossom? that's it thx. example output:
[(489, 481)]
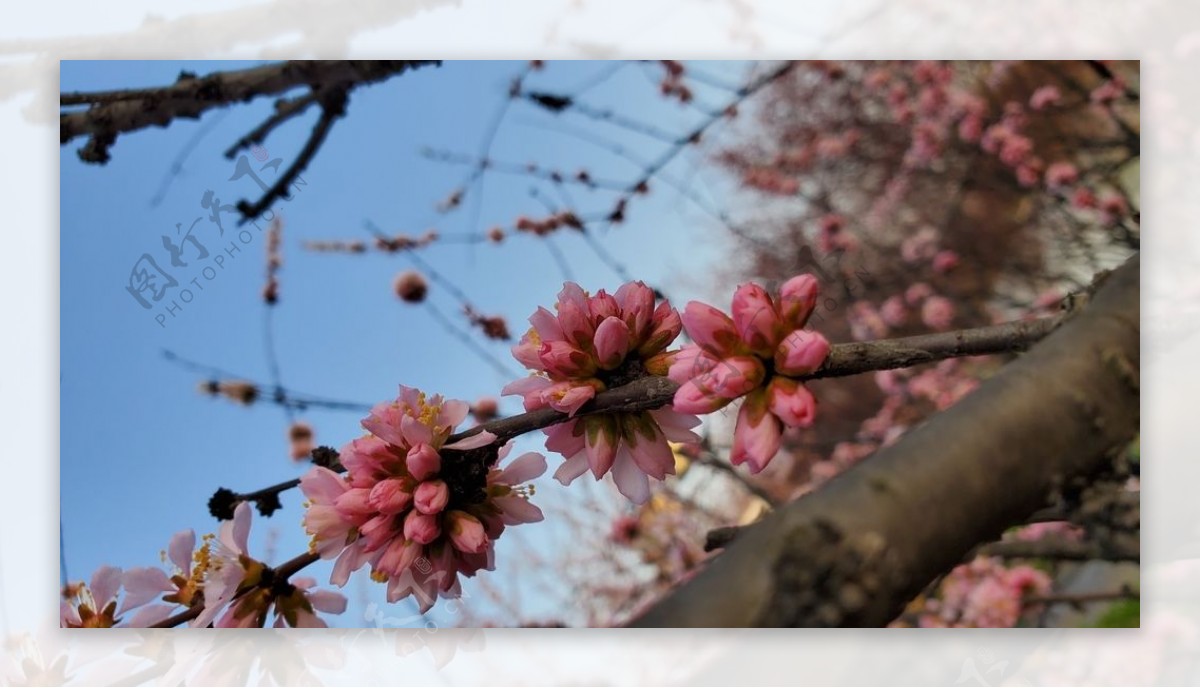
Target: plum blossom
[(170, 593), (985, 594), (758, 354), (1060, 175), (937, 312), (591, 344), (92, 605), (419, 511), (240, 590), (1045, 97)]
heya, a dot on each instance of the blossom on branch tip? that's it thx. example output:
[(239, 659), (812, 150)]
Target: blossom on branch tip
[(589, 344), (419, 511), (756, 354)]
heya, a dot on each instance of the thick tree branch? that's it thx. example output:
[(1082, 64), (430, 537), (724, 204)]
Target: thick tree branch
[(854, 552)]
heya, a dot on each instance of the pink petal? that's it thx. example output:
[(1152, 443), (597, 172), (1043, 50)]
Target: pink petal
[(692, 398), (798, 299), (524, 468), (630, 480), (690, 362), (572, 468), (179, 550), (755, 318), (151, 614), (711, 329), (106, 582), (479, 439), (757, 436), (518, 510), (143, 584), (327, 601), (319, 484), (612, 342)]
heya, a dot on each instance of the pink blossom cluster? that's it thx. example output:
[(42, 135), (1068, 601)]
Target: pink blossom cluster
[(419, 511), (590, 344), (758, 354), (984, 594)]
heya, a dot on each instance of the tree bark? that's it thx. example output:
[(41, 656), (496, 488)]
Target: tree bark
[(856, 551)]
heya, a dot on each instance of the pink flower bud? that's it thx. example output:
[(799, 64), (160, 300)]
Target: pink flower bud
[(354, 504), (692, 398), (431, 497), (758, 434), (756, 319), (791, 402), (637, 307), (612, 342), (732, 377), (423, 461), (690, 362), (391, 496), (421, 528), (576, 322), (665, 326), (562, 359), (603, 305), (801, 353), (711, 329), (466, 532), (797, 299)]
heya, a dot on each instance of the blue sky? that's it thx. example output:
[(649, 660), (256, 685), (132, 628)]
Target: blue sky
[(142, 450)]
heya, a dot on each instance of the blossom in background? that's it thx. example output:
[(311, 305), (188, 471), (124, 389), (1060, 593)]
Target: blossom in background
[(418, 514), (240, 591), (984, 594), (758, 354), (594, 343)]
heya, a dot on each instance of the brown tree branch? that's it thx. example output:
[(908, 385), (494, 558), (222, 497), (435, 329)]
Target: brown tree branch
[(1058, 548), (856, 551), (117, 112), (653, 392)]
